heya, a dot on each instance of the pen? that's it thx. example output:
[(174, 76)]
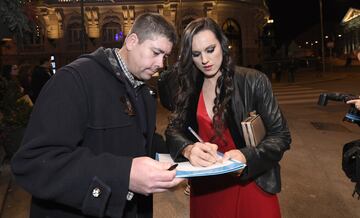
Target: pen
[(198, 137), (173, 167), (195, 134)]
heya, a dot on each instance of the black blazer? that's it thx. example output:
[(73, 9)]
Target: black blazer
[(252, 91), (81, 138)]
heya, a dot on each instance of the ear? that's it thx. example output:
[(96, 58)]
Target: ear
[(131, 41)]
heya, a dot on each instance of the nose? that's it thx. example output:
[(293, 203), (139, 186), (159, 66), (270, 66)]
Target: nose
[(160, 61), (204, 59)]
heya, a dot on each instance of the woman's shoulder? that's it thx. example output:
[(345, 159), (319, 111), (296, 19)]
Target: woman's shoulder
[(248, 73)]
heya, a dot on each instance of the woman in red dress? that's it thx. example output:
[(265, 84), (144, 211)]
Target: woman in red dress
[(213, 97)]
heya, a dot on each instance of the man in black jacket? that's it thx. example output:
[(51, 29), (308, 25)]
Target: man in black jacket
[(88, 146)]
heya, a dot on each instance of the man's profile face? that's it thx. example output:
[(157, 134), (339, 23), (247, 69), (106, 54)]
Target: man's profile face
[(147, 58)]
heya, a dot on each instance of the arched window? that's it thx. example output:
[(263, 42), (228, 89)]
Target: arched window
[(74, 33), (233, 33), (35, 37), (111, 32)]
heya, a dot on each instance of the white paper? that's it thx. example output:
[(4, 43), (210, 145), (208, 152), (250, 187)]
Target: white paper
[(186, 170)]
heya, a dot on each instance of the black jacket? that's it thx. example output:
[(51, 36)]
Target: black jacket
[(39, 76), (252, 91), (81, 137)]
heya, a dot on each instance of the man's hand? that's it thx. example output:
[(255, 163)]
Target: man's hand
[(201, 154), (150, 176)]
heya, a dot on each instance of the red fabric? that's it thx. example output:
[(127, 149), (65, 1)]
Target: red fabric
[(222, 196)]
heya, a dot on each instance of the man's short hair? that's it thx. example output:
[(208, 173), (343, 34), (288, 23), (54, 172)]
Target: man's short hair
[(150, 25)]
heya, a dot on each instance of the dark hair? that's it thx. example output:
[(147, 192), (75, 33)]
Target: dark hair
[(189, 77), (6, 71), (25, 77), (149, 25)]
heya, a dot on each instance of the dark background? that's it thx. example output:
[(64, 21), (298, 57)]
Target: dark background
[(292, 17)]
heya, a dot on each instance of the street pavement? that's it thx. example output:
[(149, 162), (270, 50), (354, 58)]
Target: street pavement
[(313, 184)]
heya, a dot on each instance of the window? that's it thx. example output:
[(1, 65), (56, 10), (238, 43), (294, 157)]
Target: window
[(34, 38), (111, 32), (74, 33)]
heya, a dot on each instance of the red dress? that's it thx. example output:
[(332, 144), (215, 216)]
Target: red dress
[(222, 196)]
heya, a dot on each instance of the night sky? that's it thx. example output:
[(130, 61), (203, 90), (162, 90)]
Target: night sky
[(292, 17)]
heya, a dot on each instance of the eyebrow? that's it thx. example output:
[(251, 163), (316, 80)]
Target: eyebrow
[(160, 51), (212, 45)]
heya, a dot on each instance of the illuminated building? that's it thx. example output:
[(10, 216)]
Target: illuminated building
[(107, 22), (351, 24)]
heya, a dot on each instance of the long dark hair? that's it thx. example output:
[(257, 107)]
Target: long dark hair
[(189, 77)]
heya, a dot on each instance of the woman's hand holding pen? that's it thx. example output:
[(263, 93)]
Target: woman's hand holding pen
[(201, 154)]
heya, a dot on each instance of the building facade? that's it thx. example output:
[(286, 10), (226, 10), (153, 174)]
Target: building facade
[(351, 25), (107, 22)]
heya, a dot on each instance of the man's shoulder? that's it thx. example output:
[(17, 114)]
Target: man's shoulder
[(92, 61), (82, 63)]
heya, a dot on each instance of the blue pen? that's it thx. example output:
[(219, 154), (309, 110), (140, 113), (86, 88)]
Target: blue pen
[(195, 134)]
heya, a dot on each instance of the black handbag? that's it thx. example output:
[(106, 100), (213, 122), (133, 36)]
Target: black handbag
[(351, 163)]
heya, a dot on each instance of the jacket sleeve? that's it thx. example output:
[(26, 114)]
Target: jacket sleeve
[(176, 141), (269, 152), (52, 165)]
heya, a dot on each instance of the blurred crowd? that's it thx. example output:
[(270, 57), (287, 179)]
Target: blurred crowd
[(30, 78)]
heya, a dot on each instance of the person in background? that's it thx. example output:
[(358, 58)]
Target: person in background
[(10, 72), (25, 78), (292, 67), (278, 70), (39, 76), (165, 86), (88, 149), (356, 102), (348, 60), (213, 98)]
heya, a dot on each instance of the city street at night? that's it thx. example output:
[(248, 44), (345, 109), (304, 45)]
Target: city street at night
[(313, 183), (77, 121)]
